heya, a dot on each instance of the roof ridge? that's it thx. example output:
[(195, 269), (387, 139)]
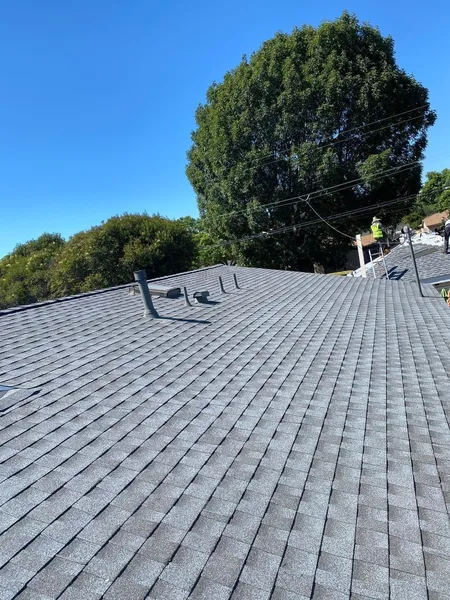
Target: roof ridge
[(24, 307)]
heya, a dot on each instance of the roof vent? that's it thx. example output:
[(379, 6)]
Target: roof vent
[(201, 297), (158, 290), (164, 291), (149, 309), (187, 302)]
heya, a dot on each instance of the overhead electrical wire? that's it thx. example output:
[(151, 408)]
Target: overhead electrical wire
[(353, 129), (327, 145), (327, 223), (262, 207), (335, 188), (305, 224), (322, 192)]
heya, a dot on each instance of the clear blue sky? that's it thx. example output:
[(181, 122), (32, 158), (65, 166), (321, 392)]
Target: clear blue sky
[(98, 96)]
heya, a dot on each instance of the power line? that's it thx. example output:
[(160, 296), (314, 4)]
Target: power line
[(302, 225), (305, 224), (345, 132), (327, 223), (312, 222), (400, 114), (319, 193), (349, 184), (328, 145), (292, 200), (353, 129)]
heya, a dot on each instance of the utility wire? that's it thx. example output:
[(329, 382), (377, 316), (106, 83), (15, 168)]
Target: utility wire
[(322, 192), (311, 222), (339, 216), (328, 145), (302, 225), (327, 223), (295, 198), (353, 129)]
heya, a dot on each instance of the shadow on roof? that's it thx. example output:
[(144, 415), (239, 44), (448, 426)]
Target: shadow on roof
[(198, 321), (396, 275)]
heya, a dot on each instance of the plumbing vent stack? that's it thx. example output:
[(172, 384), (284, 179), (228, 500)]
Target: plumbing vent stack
[(186, 298), (222, 291), (236, 281), (149, 309)]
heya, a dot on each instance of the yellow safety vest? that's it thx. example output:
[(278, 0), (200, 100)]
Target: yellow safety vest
[(377, 232)]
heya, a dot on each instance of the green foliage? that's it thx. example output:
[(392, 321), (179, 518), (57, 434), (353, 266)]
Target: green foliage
[(108, 254), (436, 190), (414, 218), (191, 224), (433, 197), (282, 124), (24, 274), (208, 252), (102, 256)]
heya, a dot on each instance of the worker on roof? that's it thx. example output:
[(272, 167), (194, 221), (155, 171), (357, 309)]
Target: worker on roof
[(446, 235), (377, 230)]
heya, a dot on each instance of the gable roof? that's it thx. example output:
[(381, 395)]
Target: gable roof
[(289, 441), (435, 220), (432, 264)]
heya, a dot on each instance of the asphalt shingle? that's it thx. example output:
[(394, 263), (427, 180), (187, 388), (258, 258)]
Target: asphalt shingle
[(432, 264), (288, 441)]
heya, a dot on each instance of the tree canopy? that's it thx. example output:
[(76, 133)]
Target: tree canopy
[(108, 254), (433, 197), (436, 190), (24, 274), (309, 110), (103, 256)]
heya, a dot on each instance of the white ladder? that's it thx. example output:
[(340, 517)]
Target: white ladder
[(373, 257)]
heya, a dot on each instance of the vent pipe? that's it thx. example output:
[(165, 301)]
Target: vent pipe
[(222, 291), (186, 298), (141, 278), (236, 282)]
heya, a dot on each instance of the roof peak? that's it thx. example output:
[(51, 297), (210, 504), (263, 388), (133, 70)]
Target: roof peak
[(98, 292)]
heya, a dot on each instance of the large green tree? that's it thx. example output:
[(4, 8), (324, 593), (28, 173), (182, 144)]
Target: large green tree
[(436, 190), (207, 252), (25, 273), (107, 255), (433, 197), (309, 110)]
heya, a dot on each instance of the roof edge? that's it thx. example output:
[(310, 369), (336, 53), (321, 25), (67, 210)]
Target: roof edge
[(14, 309), (436, 279)]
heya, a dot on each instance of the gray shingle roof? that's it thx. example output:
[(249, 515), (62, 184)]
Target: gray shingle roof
[(431, 264), (290, 441)]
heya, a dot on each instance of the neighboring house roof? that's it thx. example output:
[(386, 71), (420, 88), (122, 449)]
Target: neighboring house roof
[(432, 264), (366, 240), (435, 220), (289, 441)]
